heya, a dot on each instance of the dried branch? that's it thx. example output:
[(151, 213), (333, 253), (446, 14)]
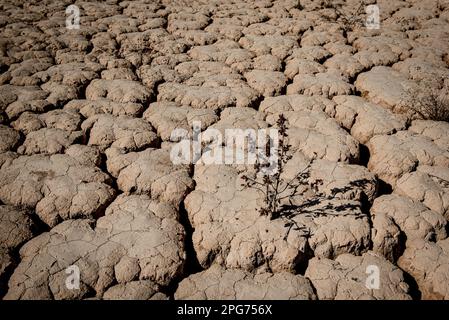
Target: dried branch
[(275, 190)]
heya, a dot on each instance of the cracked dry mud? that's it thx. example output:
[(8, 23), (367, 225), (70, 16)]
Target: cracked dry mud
[(86, 122)]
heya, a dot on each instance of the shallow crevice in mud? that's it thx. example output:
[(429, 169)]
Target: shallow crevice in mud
[(192, 264), (364, 155), (6, 121), (38, 227), (414, 291), (82, 89), (101, 211), (446, 59), (86, 136), (365, 205), (104, 167), (356, 92), (91, 293), (315, 292), (283, 91), (153, 97), (353, 79), (15, 257), (3, 68), (157, 144), (384, 188), (302, 266), (78, 140), (90, 46), (401, 246), (255, 104), (113, 183), (22, 138)]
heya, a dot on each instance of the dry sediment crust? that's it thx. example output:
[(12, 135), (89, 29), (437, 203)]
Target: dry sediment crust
[(343, 278), (89, 117), (137, 239), (217, 283)]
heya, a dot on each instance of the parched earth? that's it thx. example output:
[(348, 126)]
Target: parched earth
[(86, 131)]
